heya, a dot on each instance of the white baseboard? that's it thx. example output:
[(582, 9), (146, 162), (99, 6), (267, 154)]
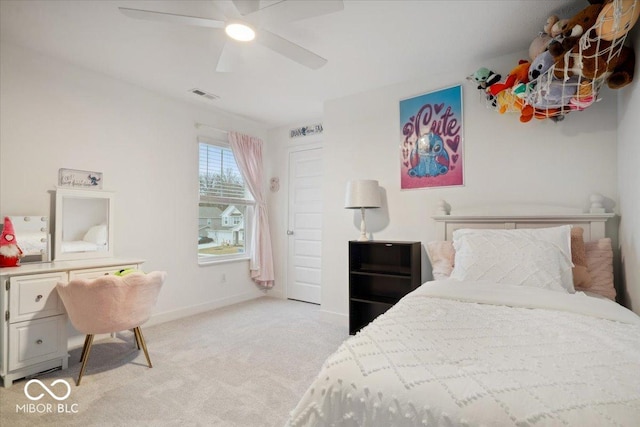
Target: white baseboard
[(201, 308), (276, 294), (335, 318), (78, 340)]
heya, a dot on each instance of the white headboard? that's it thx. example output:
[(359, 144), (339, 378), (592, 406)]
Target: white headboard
[(593, 223)]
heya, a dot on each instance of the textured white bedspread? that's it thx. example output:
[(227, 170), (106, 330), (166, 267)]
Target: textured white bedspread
[(437, 358)]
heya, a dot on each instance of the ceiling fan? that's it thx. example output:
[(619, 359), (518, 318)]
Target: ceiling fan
[(245, 21)]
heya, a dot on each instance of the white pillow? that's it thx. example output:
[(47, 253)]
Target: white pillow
[(538, 257), (96, 234)]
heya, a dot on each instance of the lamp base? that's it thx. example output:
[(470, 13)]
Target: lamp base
[(363, 228)]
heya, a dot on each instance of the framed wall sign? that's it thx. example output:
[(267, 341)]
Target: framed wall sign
[(306, 130), (79, 179), (431, 140)]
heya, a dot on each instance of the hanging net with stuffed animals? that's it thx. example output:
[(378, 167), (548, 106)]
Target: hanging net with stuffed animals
[(568, 64)]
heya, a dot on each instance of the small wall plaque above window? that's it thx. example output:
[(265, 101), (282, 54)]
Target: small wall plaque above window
[(79, 179)]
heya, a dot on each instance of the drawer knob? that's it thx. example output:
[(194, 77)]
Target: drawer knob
[(38, 298), (39, 342)]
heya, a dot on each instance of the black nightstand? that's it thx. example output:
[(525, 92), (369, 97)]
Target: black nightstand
[(380, 273)]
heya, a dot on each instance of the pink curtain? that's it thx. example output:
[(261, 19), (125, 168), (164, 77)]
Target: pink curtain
[(248, 153)]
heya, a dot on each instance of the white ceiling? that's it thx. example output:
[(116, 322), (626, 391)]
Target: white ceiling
[(369, 44)]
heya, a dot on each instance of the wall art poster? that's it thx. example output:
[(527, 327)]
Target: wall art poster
[(431, 140)]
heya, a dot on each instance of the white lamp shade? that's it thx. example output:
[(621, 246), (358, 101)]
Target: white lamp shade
[(362, 193)]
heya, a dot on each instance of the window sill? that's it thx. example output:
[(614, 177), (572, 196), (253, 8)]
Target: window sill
[(205, 262)]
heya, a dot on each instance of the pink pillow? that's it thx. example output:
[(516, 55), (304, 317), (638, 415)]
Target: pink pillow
[(581, 277), (442, 255), (599, 256)]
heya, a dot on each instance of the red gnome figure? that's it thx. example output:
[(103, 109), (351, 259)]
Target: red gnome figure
[(10, 253)]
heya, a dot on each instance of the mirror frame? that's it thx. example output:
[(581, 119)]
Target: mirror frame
[(66, 193), (32, 224)]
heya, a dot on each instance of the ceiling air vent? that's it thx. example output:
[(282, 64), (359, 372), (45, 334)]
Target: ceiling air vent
[(200, 92)]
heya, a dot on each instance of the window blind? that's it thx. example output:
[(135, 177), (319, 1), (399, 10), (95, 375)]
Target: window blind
[(220, 177)]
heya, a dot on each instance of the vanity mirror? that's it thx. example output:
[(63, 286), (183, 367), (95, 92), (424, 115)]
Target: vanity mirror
[(33, 238), (84, 224)]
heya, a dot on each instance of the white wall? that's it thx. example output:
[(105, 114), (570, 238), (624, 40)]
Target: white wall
[(56, 115), (505, 162), (629, 182)]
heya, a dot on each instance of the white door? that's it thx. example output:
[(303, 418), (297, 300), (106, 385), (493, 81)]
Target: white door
[(305, 225)]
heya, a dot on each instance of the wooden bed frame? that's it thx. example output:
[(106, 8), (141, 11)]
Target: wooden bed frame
[(593, 222)]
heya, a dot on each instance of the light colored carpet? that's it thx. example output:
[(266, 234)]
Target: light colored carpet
[(244, 365)]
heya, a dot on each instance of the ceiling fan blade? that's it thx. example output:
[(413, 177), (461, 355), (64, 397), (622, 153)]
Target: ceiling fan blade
[(289, 11), (290, 50), (231, 57), (228, 8), (246, 7), (172, 18)]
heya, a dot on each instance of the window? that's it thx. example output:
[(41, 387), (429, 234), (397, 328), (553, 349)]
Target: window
[(223, 203)]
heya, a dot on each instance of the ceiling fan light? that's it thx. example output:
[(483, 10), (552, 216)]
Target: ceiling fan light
[(240, 32)]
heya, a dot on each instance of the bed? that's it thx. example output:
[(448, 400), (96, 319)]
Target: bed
[(503, 338)]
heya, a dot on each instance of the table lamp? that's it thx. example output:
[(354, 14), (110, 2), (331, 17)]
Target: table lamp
[(362, 194)]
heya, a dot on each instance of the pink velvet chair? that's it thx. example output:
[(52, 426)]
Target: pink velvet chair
[(111, 304)]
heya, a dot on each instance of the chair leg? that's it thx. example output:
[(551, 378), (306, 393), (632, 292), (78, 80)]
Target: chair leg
[(140, 339), (84, 348), (135, 334), (85, 356)]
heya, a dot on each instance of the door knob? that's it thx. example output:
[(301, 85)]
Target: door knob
[(289, 232)]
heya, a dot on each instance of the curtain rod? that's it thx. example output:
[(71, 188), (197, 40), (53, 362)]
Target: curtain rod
[(199, 125)]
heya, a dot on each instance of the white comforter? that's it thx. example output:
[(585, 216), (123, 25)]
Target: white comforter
[(477, 354)]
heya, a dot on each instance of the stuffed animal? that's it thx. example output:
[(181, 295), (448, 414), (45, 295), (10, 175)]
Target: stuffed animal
[(126, 271), (10, 252), (507, 101), (541, 42), (598, 58), (519, 74), (484, 78), (540, 65), (617, 18), (624, 68), (595, 56), (553, 93), (584, 97), (572, 29), (556, 29), (529, 112)]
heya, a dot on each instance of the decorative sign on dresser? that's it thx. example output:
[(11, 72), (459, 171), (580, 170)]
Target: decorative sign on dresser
[(79, 179)]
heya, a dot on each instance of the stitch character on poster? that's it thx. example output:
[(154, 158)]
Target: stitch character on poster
[(431, 141)]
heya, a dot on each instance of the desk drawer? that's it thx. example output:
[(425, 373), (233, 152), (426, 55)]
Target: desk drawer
[(34, 297), (36, 341)]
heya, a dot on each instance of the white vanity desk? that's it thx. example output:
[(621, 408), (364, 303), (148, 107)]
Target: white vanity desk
[(33, 333)]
